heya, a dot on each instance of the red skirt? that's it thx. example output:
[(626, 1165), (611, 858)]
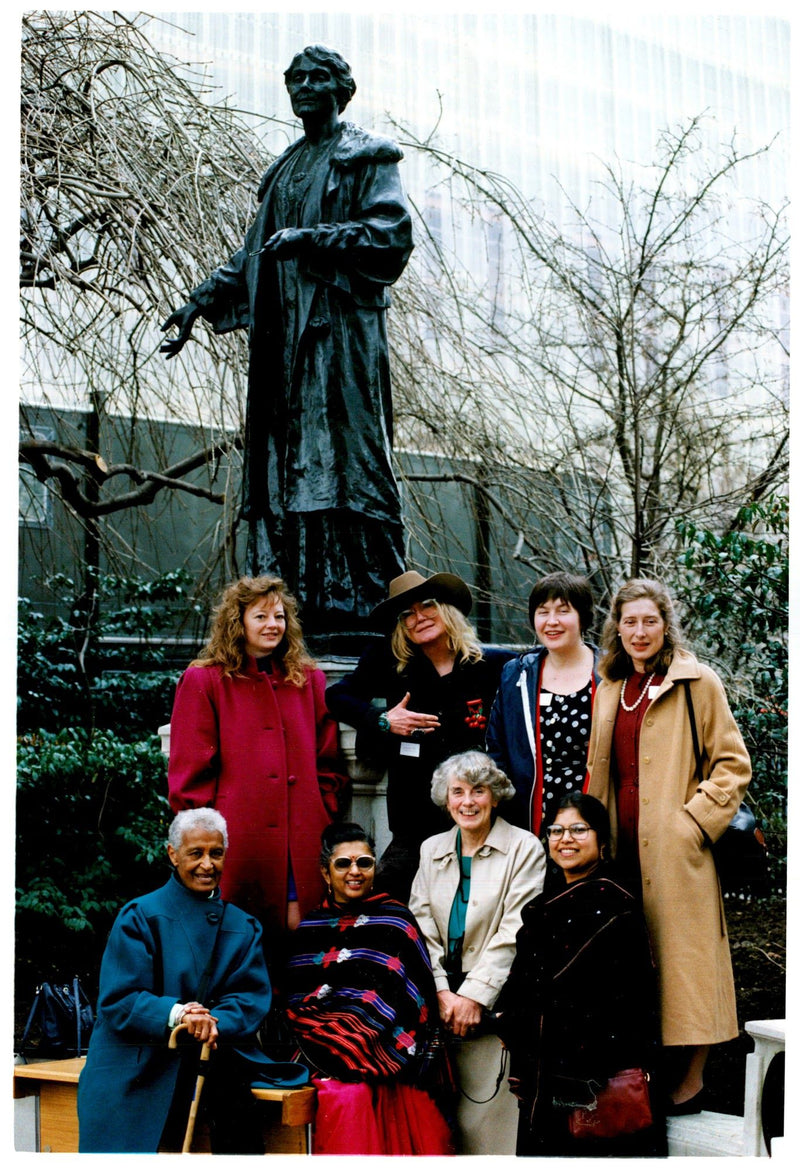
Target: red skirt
[(357, 1118)]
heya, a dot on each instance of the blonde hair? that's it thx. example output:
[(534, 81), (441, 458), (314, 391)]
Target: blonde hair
[(615, 662), (226, 642), (461, 638)]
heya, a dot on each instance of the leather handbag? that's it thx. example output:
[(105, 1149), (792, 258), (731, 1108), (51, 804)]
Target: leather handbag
[(740, 855), (62, 1016), (622, 1106)]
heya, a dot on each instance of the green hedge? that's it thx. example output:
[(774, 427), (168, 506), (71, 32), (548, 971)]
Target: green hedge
[(92, 816), (92, 811)]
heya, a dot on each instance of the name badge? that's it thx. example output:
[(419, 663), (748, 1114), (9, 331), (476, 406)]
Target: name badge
[(653, 691), (409, 748), (545, 698)]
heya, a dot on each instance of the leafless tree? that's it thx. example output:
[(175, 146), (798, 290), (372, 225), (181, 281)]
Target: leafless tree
[(637, 357), (133, 186)]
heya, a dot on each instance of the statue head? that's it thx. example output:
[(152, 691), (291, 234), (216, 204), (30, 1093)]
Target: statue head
[(333, 61)]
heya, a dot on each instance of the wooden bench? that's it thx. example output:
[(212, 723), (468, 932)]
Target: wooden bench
[(287, 1113)]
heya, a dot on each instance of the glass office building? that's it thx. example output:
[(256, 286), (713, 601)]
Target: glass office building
[(543, 100)]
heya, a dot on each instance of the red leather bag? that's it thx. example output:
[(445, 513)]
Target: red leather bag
[(622, 1107)]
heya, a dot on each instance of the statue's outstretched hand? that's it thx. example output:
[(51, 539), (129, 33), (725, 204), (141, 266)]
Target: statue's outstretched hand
[(288, 242), (183, 318)]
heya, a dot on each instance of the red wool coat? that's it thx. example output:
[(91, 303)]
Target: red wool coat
[(265, 754)]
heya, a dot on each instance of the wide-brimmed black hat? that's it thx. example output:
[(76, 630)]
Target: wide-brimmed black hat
[(411, 586)]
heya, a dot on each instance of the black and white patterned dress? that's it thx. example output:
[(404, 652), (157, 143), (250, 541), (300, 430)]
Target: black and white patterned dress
[(565, 722)]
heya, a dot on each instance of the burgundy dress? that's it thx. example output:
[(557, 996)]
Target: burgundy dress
[(625, 768)]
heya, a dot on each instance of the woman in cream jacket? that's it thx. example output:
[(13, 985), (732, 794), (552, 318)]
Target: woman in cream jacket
[(467, 897)]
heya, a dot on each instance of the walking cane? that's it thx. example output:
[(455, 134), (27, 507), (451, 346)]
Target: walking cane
[(205, 1054)]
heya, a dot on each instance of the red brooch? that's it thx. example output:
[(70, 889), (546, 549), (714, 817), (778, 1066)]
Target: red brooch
[(475, 717)]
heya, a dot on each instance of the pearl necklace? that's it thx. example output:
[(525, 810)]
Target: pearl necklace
[(631, 707)]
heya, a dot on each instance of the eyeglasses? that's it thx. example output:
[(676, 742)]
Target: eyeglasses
[(363, 862), (407, 617), (578, 831)]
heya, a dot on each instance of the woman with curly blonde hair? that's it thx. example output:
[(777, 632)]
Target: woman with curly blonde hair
[(226, 642), (434, 685), (251, 736)]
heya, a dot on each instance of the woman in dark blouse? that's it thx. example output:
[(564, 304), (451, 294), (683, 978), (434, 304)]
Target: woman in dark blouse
[(437, 683), (580, 1004)]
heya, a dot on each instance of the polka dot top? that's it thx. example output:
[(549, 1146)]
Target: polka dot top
[(564, 726)]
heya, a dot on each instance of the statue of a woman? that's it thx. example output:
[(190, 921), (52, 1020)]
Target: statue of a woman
[(310, 283)]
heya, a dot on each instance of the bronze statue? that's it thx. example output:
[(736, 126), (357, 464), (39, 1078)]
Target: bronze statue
[(310, 283)]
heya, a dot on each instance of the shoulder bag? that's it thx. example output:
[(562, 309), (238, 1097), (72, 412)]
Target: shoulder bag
[(740, 855), (621, 1107)]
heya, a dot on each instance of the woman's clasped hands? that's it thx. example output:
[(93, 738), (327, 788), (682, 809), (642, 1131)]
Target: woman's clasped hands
[(459, 1014), (200, 1024)]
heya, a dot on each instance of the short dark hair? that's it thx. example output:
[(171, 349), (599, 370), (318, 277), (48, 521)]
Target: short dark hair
[(593, 812), (337, 65), (342, 831), (567, 587)]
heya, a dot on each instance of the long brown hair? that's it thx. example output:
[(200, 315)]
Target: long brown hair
[(615, 662), (226, 642)]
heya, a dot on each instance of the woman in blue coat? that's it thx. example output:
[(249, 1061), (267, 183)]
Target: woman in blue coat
[(176, 955), (539, 726)]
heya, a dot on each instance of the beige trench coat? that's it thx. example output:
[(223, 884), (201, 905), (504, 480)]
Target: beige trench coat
[(677, 820), (507, 871)]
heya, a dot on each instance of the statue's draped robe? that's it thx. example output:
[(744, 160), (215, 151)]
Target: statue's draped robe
[(320, 496)]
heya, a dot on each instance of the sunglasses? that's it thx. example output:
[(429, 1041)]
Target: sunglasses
[(577, 831), (363, 862), (409, 617)]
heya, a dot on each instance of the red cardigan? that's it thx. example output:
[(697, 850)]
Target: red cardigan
[(265, 754)]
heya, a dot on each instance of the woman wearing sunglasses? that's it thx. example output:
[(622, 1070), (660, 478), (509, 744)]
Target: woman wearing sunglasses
[(580, 1004), (361, 1005), (416, 697)]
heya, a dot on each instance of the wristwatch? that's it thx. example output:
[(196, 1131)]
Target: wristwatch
[(383, 722)]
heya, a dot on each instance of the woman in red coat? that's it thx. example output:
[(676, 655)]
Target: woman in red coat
[(251, 736)]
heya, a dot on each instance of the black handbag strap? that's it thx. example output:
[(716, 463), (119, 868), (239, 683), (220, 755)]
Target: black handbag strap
[(77, 1000), (698, 758), (29, 1022)]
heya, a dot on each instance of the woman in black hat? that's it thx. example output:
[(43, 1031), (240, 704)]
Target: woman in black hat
[(421, 695)]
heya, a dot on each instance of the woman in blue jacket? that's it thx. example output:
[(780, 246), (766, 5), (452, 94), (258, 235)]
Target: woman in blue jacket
[(539, 726), (177, 955)]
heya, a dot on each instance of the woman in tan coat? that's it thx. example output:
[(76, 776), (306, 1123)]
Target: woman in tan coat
[(642, 766)]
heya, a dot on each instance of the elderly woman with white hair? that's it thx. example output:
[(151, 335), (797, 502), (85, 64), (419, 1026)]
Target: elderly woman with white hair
[(467, 898), (178, 955)]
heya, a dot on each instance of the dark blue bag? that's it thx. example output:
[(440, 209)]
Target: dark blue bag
[(63, 1018)]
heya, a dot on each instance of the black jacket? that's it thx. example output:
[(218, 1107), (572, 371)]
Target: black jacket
[(411, 761), (580, 1004)]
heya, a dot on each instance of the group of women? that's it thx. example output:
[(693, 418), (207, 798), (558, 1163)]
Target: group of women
[(467, 991)]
